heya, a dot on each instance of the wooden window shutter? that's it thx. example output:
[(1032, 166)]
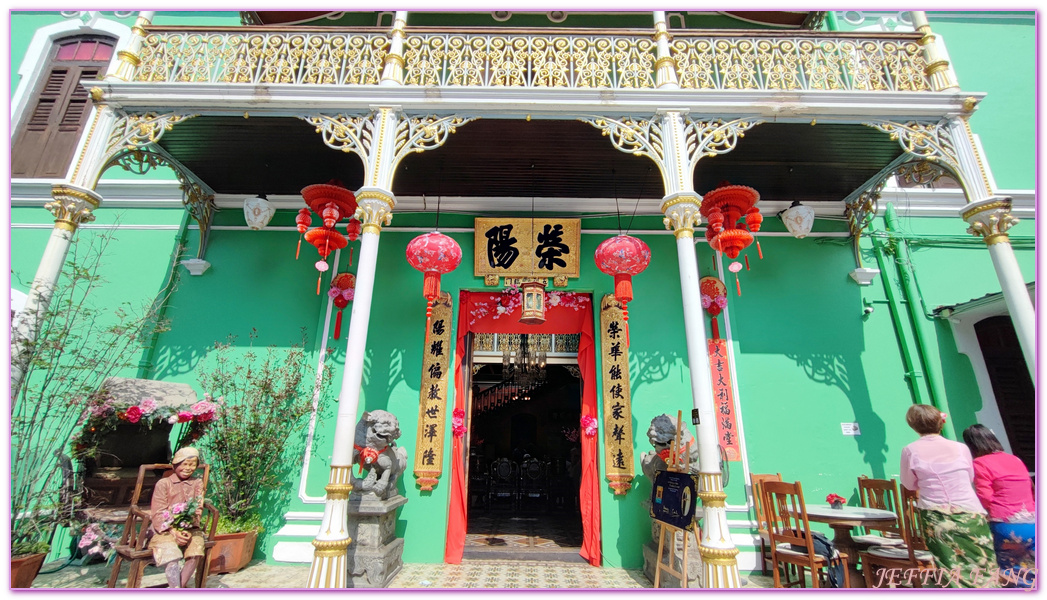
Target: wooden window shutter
[(1011, 384), (50, 132)]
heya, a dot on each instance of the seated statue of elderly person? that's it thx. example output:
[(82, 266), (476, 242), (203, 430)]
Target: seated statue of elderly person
[(174, 495)]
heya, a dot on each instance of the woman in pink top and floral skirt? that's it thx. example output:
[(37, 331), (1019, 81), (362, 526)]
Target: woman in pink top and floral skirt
[(954, 523), (1004, 487)]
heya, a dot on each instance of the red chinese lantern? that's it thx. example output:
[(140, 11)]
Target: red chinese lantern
[(332, 202), (304, 220), (723, 208), (433, 254), (714, 299), (352, 231), (342, 292), (623, 256)]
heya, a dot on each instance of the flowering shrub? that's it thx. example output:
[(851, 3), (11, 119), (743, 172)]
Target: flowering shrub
[(458, 422), (98, 540), (104, 414), (589, 425)]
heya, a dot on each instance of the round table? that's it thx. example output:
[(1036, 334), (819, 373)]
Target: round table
[(842, 520)]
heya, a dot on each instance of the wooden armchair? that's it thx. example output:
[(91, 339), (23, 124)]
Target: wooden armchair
[(134, 543), (787, 525), (761, 518), (912, 558), (881, 494), (505, 481), (534, 482)]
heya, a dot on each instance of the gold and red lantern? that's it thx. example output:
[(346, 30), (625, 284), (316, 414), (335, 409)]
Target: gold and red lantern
[(723, 208), (714, 299), (352, 231), (622, 257), (433, 254), (303, 220), (342, 292)]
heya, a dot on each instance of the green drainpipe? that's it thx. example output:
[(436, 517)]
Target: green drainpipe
[(146, 366), (921, 324), (912, 371)]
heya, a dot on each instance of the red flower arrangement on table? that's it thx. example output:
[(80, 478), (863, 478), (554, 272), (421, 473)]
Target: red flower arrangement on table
[(104, 414), (835, 500)]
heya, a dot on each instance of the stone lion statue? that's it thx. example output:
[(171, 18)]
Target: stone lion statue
[(661, 435), (376, 452)]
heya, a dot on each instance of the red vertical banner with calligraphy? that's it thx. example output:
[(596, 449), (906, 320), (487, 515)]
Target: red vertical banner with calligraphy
[(723, 398), (432, 402)]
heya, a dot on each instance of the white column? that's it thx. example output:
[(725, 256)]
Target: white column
[(393, 70), (664, 66), (719, 554), (937, 70), (71, 206), (990, 218), (129, 57), (329, 566)]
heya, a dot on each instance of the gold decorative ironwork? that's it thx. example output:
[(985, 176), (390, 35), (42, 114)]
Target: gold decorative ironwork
[(757, 61), (566, 342), (617, 411), (131, 131), (929, 141), (432, 405), (268, 57), (483, 342), (809, 63), (920, 173), (990, 220)]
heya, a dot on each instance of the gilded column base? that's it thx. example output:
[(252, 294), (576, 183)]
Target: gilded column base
[(720, 567), (329, 565)]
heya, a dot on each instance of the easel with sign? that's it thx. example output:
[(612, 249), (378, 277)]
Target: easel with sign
[(677, 463)]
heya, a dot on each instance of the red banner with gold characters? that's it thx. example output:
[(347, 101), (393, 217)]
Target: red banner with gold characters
[(726, 424)]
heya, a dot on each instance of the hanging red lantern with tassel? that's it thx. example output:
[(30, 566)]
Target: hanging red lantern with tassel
[(433, 254), (342, 292), (325, 240), (723, 208), (352, 231), (303, 220), (714, 299), (332, 202), (622, 257)]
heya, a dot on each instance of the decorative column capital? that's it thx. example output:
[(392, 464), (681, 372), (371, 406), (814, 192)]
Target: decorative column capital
[(990, 218), (374, 209), (72, 205), (681, 213)]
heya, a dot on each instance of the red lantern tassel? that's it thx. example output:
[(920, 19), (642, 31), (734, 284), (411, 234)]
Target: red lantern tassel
[(716, 329), (299, 250), (338, 325), (318, 278), (746, 262), (738, 283), (428, 317), (625, 317), (351, 256), (758, 250)]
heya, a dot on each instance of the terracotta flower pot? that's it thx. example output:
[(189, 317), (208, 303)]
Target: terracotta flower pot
[(25, 568), (232, 551)]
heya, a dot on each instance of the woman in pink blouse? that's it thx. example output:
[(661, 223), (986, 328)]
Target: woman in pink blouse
[(1005, 490), (954, 523)]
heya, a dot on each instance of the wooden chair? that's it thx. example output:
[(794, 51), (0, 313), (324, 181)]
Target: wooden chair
[(881, 494), (505, 481), (761, 519), (911, 558), (534, 483), (134, 543), (787, 525)]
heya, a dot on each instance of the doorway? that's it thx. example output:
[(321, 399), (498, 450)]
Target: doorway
[(524, 464)]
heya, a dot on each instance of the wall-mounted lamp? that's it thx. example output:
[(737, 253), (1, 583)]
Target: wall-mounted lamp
[(258, 212), (798, 219)]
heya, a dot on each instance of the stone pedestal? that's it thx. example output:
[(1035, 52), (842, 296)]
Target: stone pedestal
[(376, 554)]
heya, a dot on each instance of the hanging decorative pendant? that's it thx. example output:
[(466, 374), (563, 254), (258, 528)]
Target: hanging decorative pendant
[(714, 299), (622, 257), (352, 231), (723, 208), (342, 292), (433, 254), (532, 302), (331, 201), (734, 268), (303, 220)]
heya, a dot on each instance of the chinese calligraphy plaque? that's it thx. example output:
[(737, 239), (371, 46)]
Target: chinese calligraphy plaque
[(617, 413), (432, 401), (723, 396), (523, 247)]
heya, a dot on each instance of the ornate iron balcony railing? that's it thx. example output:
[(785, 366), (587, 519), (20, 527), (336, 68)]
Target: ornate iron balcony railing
[(572, 59)]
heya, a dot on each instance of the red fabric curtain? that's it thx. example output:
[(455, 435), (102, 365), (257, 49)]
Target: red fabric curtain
[(486, 312)]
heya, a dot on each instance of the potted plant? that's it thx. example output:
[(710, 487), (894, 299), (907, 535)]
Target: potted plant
[(265, 400), (65, 353)]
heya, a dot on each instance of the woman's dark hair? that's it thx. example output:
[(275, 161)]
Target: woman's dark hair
[(981, 440)]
